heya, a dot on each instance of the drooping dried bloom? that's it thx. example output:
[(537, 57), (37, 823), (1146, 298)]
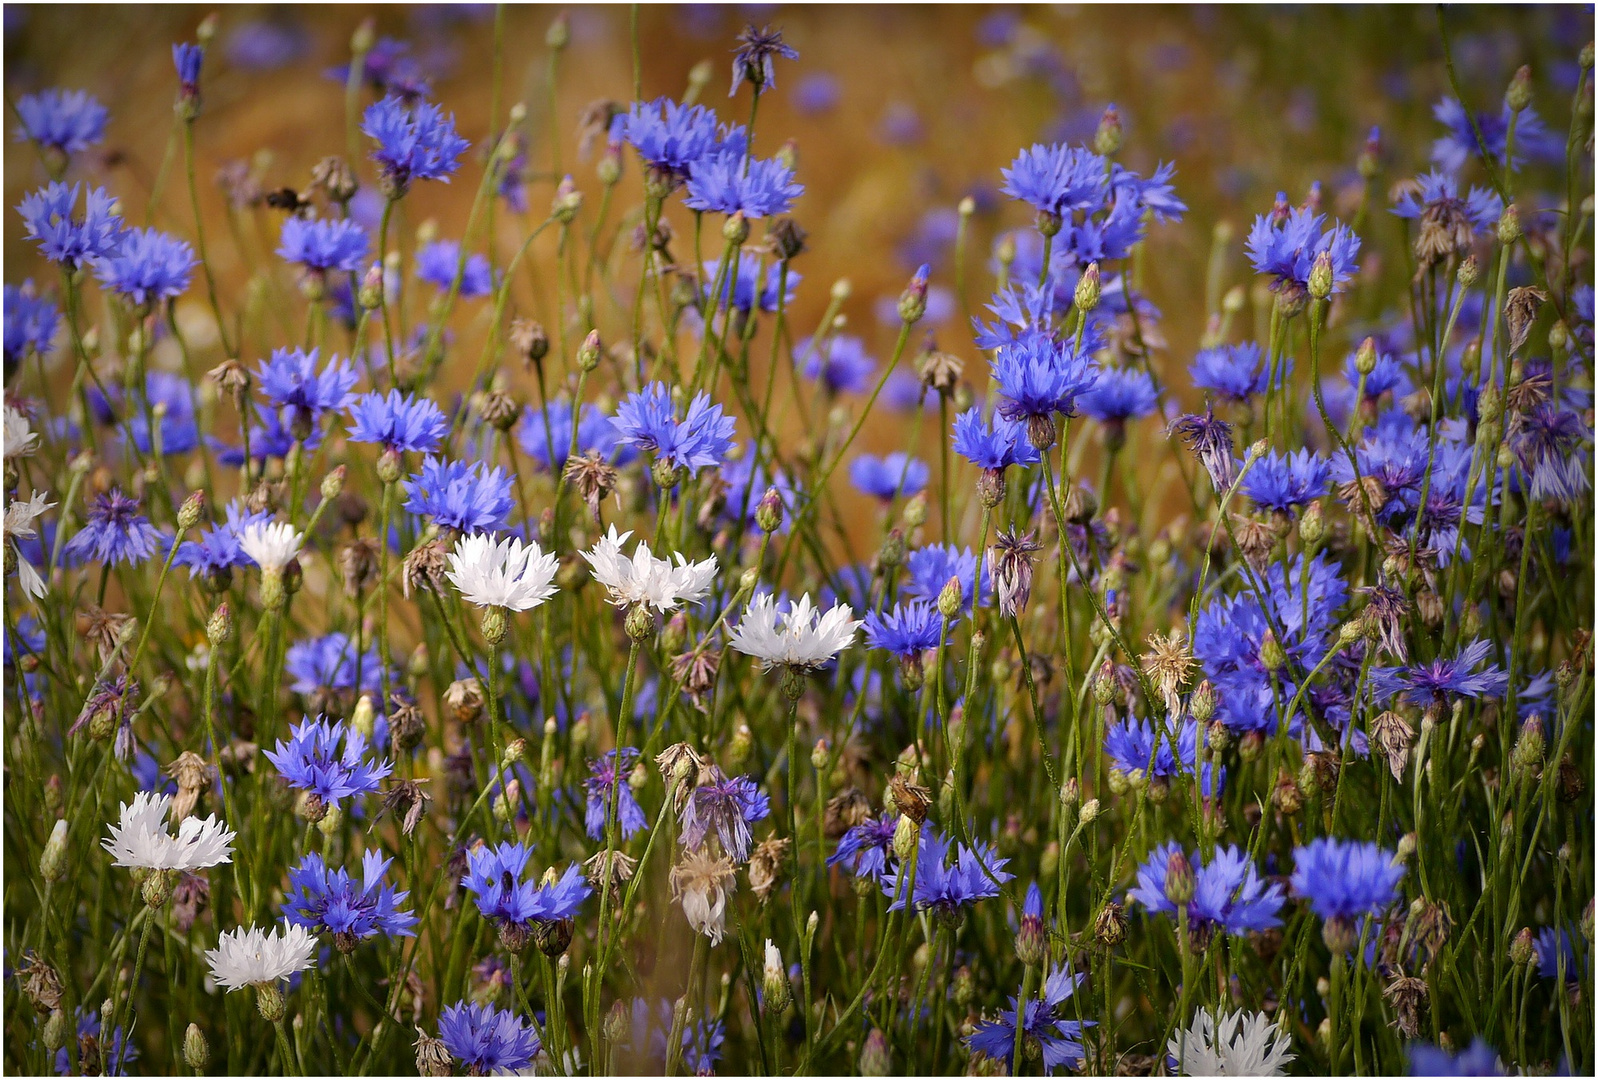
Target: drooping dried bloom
[(702, 882), (40, 983), (1409, 998), (407, 800), (1010, 564), (424, 568), (592, 477), (766, 863), (1520, 309), (1392, 735), (193, 776), (697, 672), (1168, 663), (611, 870), (844, 811)]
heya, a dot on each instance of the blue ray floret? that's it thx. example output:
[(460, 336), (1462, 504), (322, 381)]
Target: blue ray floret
[(413, 142), (114, 534), (906, 630), (488, 1041), (336, 244), (467, 498), (398, 421), (1344, 879), (64, 120), (311, 760), (1059, 1040), (1228, 893), (325, 900), (702, 438)]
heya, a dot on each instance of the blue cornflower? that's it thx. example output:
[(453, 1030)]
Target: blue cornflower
[(437, 262), (178, 429), (1344, 879), (648, 419), (866, 848), (947, 886), (1057, 180), (890, 476), (217, 551), (651, 1028), (327, 901), (728, 806), (187, 58), (905, 631), (993, 445), (1554, 947), (1135, 745), (398, 421), (62, 238), (290, 381), (266, 45), (604, 775), (1109, 238), (1453, 150), (329, 662), (1210, 440), (1228, 893), (1156, 194), (1019, 307), (1234, 372), (1120, 394), (1444, 679), (493, 876), (1039, 376), (488, 1041), (730, 183), (1284, 244), (115, 533), (148, 265), (1060, 1040), (467, 498), (1548, 441), (389, 69), (337, 244), (64, 120), (928, 569), (1282, 482), (747, 292), (311, 761), (1435, 197), (1388, 374), (1478, 1059), (668, 135), (839, 362), (413, 143), (30, 322), (113, 1059), (271, 438), (595, 434), (753, 58)]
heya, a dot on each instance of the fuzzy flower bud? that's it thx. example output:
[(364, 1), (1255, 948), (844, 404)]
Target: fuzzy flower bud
[(1518, 96), (1107, 139), (1088, 288), (950, 598), (1109, 929), (1509, 225), (588, 353), (196, 1054), (913, 301), (1468, 271), (774, 982), (875, 1058), (53, 862), (1272, 655), (333, 482), (1179, 880), (1320, 276), (189, 513), (568, 200), (906, 835), (768, 512)]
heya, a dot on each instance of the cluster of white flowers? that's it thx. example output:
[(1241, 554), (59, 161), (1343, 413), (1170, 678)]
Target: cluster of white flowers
[(807, 638), (1240, 1044), (255, 958), (644, 579), (141, 838), (507, 574)]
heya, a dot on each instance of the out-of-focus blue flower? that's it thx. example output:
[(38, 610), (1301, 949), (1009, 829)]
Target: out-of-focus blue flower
[(1478, 1059), (488, 1041), (1057, 180), (289, 380), (114, 1059), (1039, 376), (730, 183), (946, 885), (746, 483), (1555, 947), (747, 291), (668, 135), (64, 120), (604, 775), (327, 901), (493, 878), (1228, 893), (1234, 372), (330, 662), (595, 434), (1445, 679), (48, 216), (1060, 1040), (865, 849), (816, 93), (928, 569), (1532, 138), (311, 761), (1135, 745), (651, 1029), (1120, 394), (839, 363), (727, 806), (413, 143), (648, 419), (754, 58), (890, 476), (995, 444), (438, 262), (1284, 482), (1155, 194), (389, 69), (906, 630), (147, 265), (1549, 442), (30, 322), (1285, 242), (468, 498), (398, 421), (266, 44), (217, 550), (269, 439), (337, 244), (1435, 196), (1344, 879), (900, 124), (187, 58), (179, 431), (114, 534)]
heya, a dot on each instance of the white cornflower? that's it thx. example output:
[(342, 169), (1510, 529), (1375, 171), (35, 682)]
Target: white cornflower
[(1242, 1044), (21, 439), (271, 544), (703, 882), (255, 958), (20, 515), (141, 838), (808, 638), (644, 579), (506, 574)]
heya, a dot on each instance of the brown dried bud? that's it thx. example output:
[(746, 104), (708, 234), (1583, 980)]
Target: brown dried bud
[(766, 863), (193, 776), (424, 568), (844, 811), (333, 176), (357, 565), (909, 799), (1109, 929), (499, 409), (464, 700)]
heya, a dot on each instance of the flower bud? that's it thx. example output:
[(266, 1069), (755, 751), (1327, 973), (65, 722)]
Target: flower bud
[(906, 836), (333, 482), (891, 553), (768, 512), (196, 1054), (913, 301), (1518, 96), (1107, 139), (390, 466), (568, 200), (269, 1000), (1320, 276), (820, 754), (55, 1030), (1340, 935), (875, 1059), (189, 513), (640, 622), (950, 599), (1520, 947), (331, 821), (1090, 810), (1272, 655), (1365, 358), (1527, 757), (1109, 929), (494, 625), (364, 719), (589, 352), (370, 295), (1312, 526), (774, 982), (915, 510), (1286, 796), (1179, 881), (1509, 225), (1088, 289), (53, 861), (1468, 271), (1201, 703)]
